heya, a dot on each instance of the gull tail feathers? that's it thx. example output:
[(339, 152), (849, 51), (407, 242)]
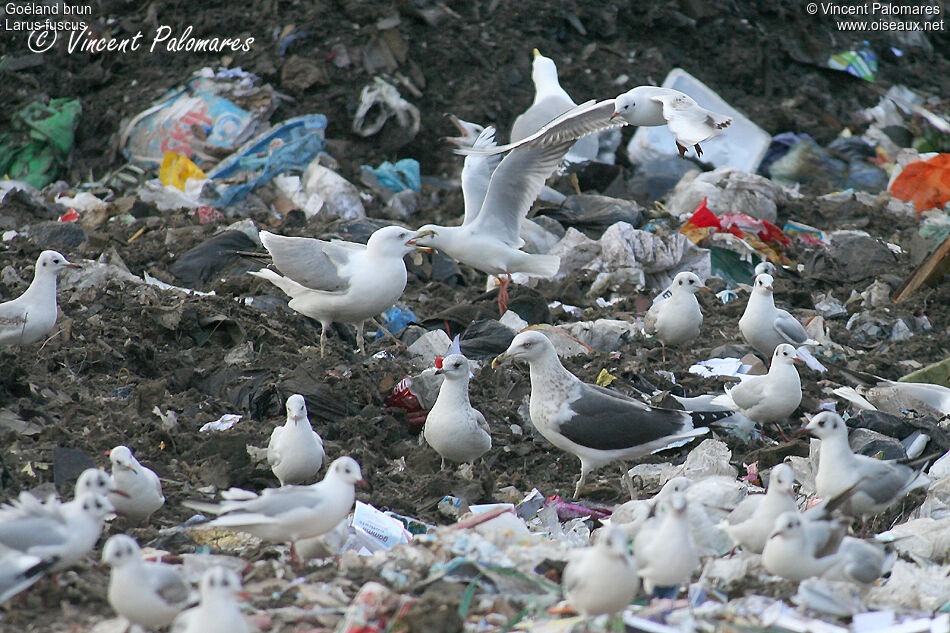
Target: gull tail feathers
[(702, 419), (290, 287), (542, 265), (855, 398), (805, 354), (725, 400), (204, 506)]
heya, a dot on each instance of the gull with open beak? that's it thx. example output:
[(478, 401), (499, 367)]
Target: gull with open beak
[(32, 315), (295, 452), (341, 281), (136, 490)]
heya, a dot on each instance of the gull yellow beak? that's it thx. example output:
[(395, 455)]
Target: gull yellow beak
[(536, 53), (499, 360), (412, 242)]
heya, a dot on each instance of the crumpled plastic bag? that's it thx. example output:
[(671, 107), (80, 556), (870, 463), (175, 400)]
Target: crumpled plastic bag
[(41, 138), (926, 183), (388, 103), (729, 189)]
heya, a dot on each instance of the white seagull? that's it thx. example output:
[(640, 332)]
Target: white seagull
[(340, 281), (146, 594), (597, 425), (751, 522), (763, 326), (675, 316), (32, 315), (295, 451), (769, 398), (666, 554), (19, 571), (457, 432), (90, 481), (602, 578), (218, 611), (136, 490)]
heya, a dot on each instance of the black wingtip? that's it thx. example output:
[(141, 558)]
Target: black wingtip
[(705, 418)]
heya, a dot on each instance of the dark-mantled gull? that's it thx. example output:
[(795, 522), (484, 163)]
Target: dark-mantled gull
[(457, 432), (291, 513), (771, 397), (763, 326), (340, 281), (295, 451), (218, 611), (675, 316), (148, 594), (690, 123), (489, 237), (136, 490), (597, 425), (32, 315), (751, 522), (601, 579), (878, 484)]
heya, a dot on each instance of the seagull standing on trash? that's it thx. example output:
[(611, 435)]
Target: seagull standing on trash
[(763, 326), (690, 123), (32, 315), (295, 451), (218, 611), (291, 513), (878, 484), (595, 424), (601, 579), (144, 593), (457, 432), (489, 236), (665, 551), (136, 490), (675, 316), (751, 522), (340, 281)]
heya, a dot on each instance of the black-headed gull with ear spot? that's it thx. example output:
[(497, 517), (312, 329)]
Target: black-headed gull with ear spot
[(144, 593), (295, 451), (751, 522), (218, 611), (457, 432), (136, 490), (763, 326), (769, 398), (90, 481), (675, 316), (601, 579), (666, 554), (597, 425), (340, 281), (32, 315)]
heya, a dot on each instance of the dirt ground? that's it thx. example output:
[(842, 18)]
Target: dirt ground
[(120, 349)]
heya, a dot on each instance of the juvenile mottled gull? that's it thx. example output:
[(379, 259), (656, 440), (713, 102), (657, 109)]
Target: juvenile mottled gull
[(291, 513), (32, 315), (764, 326), (457, 432), (144, 593), (602, 578), (218, 611), (136, 490), (751, 522), (295, 451), (769, 398), (642, 106), (340, 281), (595, 424), (878, 484)]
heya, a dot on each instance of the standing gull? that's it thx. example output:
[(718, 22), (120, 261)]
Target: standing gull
[(764, 326), (144, 593), (32, 315), (291, 513), (597, 425), (218, 611), (769, 398), (675, 317), (690, 123), (90, 481), (878, 484), (295, 452), (340, 281), (665, 551), (136, 491), (453, 428), (602, 578), (750, 523)]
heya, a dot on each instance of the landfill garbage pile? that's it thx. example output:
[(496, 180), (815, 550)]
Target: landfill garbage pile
[(268, 357)]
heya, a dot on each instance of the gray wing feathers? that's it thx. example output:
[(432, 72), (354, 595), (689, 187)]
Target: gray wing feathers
[(168, 583), (883, 481), (790, 328), (539, 115), (476, 173), (310, 262)]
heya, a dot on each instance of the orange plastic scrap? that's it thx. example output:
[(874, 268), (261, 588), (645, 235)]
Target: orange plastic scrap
[(926, 183), (762, 235)]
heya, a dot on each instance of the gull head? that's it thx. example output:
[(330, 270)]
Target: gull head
[(120, 550), (765, 268), (677, 504), (121, 457), (93, 481), (613, 540), (625, 105), (782, 479), (676, 485), (392, 241), (51, 262), (687, 282), (543, 69), (454, 367), (468, 132), (347, 470), (826, 424), (220, 582), (427, 237), (763, 284), (787, 525), (95, 506), (296, 408), (529, 345), (785, 354)]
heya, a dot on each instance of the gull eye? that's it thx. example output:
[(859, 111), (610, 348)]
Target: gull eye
[(690, 281), (821, 423), (681, 282)]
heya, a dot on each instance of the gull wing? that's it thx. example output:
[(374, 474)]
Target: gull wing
[(310, 262), (689, 123), (476, 174)]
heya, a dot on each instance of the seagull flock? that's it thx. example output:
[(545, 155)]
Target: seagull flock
[(649, 545)]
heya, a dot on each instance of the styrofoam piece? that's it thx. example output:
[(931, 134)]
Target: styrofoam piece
[(741, 145)]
